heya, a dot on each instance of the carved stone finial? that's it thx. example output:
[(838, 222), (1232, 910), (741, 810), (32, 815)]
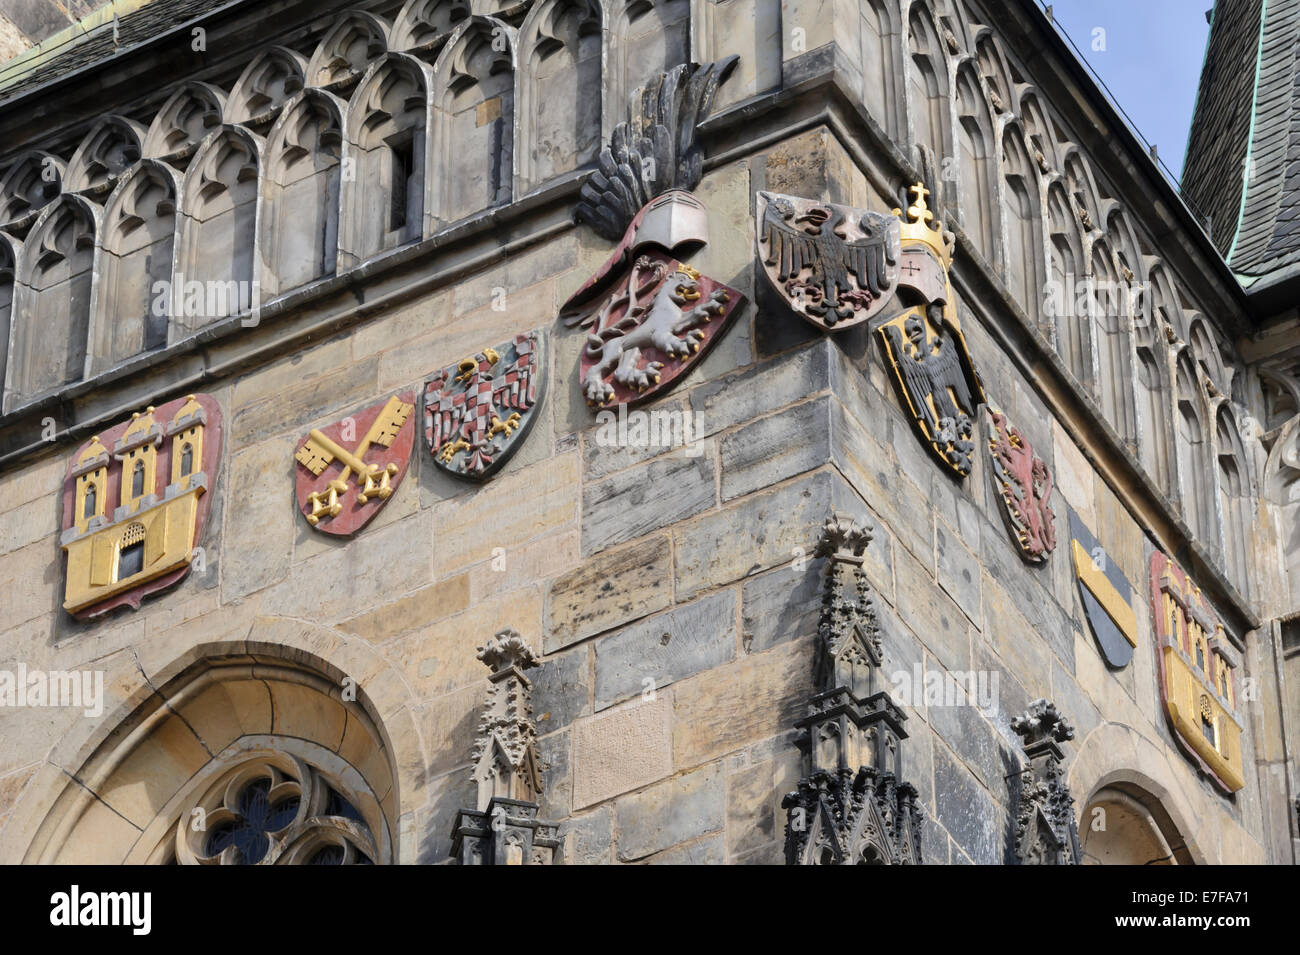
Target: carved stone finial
[(842, 538), (1040, 722), (505, 751), (504, 829), (1045, 829), (852, 805)]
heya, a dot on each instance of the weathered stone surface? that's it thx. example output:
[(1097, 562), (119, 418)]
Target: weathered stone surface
[(561, 686), (753, 392), (959, 572), (443, 599), (755, 819), (750, 535), (648, 655), (968, 811), (781, 604), (732, 706), (608, 590), (621, 750), (645, 498), (669, 813), (589, 838), (775, 448), (931, 614), (707, 851)]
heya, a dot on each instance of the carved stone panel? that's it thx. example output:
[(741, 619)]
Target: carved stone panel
[(348, 470), (1024, 483), (136, 499), (1197, 670), (478, 411), (834, 265)]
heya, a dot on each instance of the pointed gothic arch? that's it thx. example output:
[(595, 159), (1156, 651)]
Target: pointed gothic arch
[(644, 38), (299, 224), (474, 111), (32, 181), (52, 301), (1195, 468), (269, 80), (1023, 266), (132, 299), (927, 88), (112, 146), (558, 89), (882, 64), (10, 252), (977, 165), (187, 117), (1236, 488), (216, 249), (1072, 328), (422, 27), (389, 137), (1113, 339), (356, 40)]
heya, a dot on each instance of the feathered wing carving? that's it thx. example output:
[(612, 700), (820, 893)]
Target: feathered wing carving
[(656, 150)]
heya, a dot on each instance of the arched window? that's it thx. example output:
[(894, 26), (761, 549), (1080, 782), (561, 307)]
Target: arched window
[(1023, 267), (281, 769), (1073, 332), (271, 78), (1194, 467), (300, 218), (976, 168), (993, 68), (108, 151), (90, 502), (1235, 501), (423, 26), (133, 294), (31, 183), (187, 460), (219, 232), (559, 89), (880, 64), (52, 304), (388, 123), (188, 116), (356, 40), (646, 38), (474, 92), (927, 81)]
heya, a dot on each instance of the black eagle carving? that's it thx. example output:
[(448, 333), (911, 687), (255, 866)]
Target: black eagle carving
[(813, 241), (931, 369)]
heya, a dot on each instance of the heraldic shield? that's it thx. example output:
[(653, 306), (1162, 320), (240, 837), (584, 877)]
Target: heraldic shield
[(478, 411), (348, 470), (136, 498), (1024, 482), (834, 265), (924, 347), (1198, 668), (647, 327), (1106, 595)]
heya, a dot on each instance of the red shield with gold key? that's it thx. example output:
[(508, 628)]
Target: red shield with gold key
[(348, 470)]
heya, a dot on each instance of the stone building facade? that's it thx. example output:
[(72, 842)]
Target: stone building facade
[(261, 265)]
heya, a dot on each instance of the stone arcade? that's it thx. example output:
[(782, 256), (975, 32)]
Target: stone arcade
[(328, 331)]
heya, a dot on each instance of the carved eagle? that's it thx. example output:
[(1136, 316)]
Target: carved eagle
[(814, 241)]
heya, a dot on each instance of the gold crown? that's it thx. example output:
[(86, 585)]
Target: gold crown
[(922, 226)]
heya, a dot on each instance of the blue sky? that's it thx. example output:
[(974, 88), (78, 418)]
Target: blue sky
[(1149, 55)]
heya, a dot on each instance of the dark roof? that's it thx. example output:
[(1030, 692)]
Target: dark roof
[(1246, 135), (1216, 146), (134, 28)]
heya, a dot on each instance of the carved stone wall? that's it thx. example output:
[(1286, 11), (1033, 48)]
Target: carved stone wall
[(671, 592)]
